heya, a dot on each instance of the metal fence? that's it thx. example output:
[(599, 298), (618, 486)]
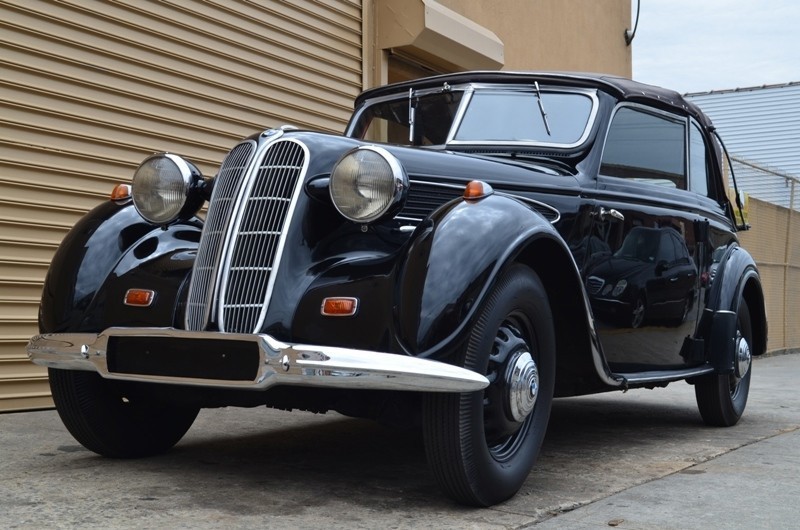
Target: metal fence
[(773, 211)]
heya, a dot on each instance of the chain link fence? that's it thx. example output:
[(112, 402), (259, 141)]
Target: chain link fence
[(773, 211)]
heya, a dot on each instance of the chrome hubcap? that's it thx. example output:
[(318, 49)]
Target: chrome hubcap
[(522, 380), (743, 357)]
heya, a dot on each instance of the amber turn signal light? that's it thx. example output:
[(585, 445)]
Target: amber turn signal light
[(121, 192), (140, 297), (339, 307), (477, 189)]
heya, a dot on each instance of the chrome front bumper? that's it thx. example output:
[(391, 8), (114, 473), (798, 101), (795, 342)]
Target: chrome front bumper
[(277, 363)]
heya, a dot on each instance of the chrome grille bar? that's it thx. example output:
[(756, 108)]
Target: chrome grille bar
[(258, 237), (227, 185)]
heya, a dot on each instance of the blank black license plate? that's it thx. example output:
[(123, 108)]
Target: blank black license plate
[(223, 360)]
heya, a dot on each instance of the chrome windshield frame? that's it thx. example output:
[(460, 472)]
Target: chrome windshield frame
[(469, 90), (521, 88)]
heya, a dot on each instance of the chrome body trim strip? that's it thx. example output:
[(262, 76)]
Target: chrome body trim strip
[(665, 376), (598, 357), (459, 187), (279, 363)]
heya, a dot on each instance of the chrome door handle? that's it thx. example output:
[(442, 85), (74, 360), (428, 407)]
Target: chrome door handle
[(603, 214)]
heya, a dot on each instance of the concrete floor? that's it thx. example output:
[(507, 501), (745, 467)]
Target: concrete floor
[(642, 459)]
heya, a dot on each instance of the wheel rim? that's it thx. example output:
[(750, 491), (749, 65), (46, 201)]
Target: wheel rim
[(522, 380), (742, 365), (510, 399)]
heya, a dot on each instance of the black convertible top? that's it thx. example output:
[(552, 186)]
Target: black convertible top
[(620, 87)]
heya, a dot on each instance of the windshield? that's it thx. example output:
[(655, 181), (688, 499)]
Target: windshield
[(498, 116), (491, 115), (388, 121)]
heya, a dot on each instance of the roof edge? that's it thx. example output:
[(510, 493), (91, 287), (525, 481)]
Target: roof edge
[(743, 89)]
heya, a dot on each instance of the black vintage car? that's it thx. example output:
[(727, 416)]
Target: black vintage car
[(440, 261)]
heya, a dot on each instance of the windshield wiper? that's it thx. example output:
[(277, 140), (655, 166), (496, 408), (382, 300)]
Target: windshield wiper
[(541, 108)]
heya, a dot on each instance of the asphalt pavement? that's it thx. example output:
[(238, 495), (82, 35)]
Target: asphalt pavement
[(635, 460)]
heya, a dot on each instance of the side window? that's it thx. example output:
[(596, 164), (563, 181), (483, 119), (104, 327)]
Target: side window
[(698, 161), (647, 147)]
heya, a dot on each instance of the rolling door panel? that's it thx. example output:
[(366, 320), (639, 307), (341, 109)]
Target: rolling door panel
[(90, 89)]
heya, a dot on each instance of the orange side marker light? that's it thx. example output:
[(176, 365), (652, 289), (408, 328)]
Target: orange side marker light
[(121, 192), (140, 297), (339, 307), (477, 189)]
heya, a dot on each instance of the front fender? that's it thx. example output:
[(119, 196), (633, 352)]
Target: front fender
[(453, 261), (96, 262)]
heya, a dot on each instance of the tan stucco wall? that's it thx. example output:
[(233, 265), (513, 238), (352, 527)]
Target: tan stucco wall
[(774, 242), (572, 35)]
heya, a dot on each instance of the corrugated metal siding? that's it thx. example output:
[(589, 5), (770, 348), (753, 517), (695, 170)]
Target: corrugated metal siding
[(90, 88), (761, 125)]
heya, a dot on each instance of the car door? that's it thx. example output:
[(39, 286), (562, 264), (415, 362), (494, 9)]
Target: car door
[(642, 204)]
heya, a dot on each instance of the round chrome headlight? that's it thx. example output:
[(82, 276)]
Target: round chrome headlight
[(367, 183), (161, 188)]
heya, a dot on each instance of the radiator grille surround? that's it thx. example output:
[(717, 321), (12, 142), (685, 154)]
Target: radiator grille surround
[(243, 239), (258, 237)]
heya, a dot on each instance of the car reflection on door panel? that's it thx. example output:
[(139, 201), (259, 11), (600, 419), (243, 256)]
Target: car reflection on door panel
[(644, 293), (650, 278)]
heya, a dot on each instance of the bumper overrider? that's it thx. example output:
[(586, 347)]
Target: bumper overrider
[(241, 361)]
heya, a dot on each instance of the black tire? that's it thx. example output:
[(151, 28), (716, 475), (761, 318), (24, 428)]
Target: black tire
[(722, 398), (478, 454), (107, 421)]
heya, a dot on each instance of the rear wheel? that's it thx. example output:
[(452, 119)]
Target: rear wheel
[(108, 421), (722, 398), (481, 446)]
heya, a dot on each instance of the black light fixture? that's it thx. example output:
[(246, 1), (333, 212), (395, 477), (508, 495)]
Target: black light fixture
[(630, 34)]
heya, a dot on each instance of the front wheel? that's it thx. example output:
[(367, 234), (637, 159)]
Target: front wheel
[(481, 446), (112, 423), (721, 398)]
